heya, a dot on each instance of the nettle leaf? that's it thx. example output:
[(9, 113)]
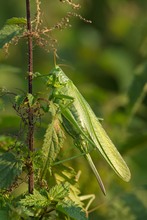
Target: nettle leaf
[(10, 168), (36, 199), (59, 191), (8, 32), (18, 21), (70, 209), (53, 142)]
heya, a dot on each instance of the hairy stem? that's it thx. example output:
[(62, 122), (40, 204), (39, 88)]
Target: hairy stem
[(30, 90)]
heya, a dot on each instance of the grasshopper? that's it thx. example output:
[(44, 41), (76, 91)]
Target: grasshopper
[(82, 124)]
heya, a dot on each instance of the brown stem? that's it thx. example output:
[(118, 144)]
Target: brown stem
[(30, 90)]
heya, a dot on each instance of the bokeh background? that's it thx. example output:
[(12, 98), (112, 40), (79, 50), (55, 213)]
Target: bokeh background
[(107, 62)]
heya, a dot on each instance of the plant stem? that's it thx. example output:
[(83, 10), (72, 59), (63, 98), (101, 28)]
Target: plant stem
[(30, 90)]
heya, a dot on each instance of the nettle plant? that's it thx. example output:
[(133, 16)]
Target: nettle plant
[(53, 190)]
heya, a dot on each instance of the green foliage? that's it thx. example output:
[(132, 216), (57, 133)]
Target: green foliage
[(11, 29), (36, 200), (55, 199), (71, 210), (105, 55), (8, 32), (10, 169), (53, 140), (17, 21), (59, 191)]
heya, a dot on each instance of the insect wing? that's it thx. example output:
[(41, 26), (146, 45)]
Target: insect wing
[(81, 115), (104, 143)]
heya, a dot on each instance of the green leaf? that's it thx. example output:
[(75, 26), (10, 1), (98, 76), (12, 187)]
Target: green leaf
[(15, 20), (8, 32), (36, 199), (70, 209), (53, 142), (59, 191), (10, 168)]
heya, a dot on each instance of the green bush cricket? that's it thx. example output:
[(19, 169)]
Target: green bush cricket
[(82, 124)]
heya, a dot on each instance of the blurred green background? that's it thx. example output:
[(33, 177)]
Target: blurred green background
[(107, 62)]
